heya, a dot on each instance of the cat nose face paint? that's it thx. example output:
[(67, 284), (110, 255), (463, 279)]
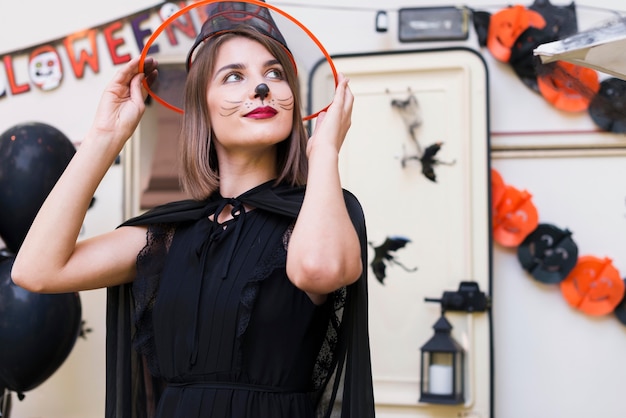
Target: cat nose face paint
[(261, 91)]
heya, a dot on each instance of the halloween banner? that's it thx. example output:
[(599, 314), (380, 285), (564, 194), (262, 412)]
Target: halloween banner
[(45, 66)]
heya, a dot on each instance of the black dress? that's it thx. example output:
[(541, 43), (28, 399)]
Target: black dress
[(219, 329)]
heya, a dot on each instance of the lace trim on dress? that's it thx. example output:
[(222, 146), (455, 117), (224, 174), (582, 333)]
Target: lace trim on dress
[(150, 262), (326, 360)]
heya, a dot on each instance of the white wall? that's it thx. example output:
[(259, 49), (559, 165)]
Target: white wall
[(550, 360)]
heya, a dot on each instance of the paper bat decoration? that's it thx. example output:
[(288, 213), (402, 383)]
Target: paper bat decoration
[(429, 161), (383, 256), (410, 111)]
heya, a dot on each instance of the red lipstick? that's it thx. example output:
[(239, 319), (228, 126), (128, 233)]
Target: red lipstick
[(262, 113)]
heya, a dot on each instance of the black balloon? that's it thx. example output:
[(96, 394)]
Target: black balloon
[(37, 332), (32, 158)]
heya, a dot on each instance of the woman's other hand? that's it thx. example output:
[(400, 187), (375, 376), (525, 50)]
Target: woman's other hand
[(332, 125)]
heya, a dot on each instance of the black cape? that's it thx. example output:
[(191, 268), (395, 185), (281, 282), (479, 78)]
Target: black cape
[(133, 392)]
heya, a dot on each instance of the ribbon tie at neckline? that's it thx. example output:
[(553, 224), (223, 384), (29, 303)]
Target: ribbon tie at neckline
[(207, 232)]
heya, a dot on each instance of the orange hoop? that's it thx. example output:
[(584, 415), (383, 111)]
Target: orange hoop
[(190, 7)]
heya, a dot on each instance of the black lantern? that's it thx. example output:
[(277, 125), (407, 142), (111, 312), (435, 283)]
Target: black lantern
[(442, 377)]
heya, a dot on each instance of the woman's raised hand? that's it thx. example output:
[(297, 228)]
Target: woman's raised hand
[(122, 103), (332, 126)]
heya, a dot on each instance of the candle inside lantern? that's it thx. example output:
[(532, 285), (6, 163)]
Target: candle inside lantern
[(440, 379)]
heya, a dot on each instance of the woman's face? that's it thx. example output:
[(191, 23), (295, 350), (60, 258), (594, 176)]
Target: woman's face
[(244, 116)]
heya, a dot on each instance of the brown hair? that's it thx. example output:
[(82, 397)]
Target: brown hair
[(199, 175)]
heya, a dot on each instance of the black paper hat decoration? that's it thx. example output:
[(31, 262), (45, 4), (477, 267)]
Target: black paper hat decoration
[(608, 107), (548, 253), (176, 42), (481, 20), (567, 86), (561, 21), (522, 60)]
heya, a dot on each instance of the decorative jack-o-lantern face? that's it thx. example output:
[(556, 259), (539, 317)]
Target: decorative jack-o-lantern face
[(568, 87), (548, 253), (507, 25), (514, 217), (594, 286)]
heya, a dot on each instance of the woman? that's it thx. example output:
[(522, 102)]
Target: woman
[(249, 300)]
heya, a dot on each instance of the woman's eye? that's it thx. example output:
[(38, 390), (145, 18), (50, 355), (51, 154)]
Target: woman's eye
[(275, 74), (232, 77)]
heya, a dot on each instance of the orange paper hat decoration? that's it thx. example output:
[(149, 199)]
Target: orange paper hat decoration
[(515, 216), (567, 86), (507, 25), (594, 286)]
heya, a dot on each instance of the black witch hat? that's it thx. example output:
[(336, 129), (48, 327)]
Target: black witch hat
[(226, 16)]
